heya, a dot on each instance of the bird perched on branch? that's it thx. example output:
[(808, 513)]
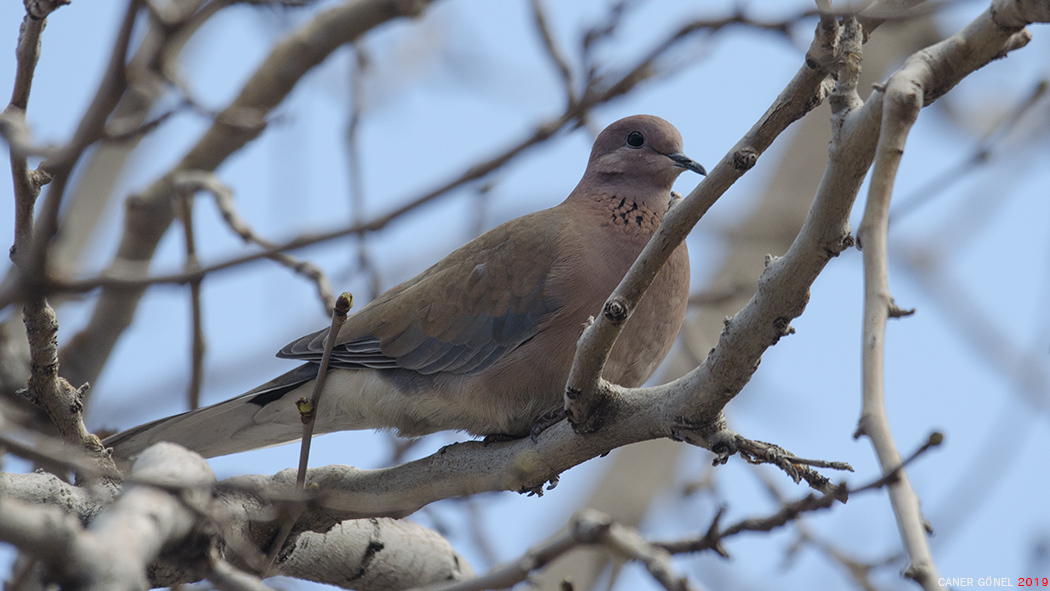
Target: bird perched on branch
[(483, 340)]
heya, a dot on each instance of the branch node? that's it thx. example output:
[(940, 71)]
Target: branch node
[(898, 312), (783, 327), (591, 526), (616, 310), (936, 438), (39, 178), (306, 409), (572, 393), (847, 242), (745, 158), (713, 538), (39, 9)]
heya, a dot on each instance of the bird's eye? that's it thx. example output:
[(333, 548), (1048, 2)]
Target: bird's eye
[(635, 139)]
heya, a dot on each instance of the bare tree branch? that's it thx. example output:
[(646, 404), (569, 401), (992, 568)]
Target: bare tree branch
[(222, 537), (587, 528), (586, 389), (150, 213), (196, 180), (165, 525)]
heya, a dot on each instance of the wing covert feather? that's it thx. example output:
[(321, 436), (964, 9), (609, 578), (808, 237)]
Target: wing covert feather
[(462, 314)]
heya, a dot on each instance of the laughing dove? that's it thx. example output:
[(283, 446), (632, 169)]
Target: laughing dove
[(483, 340)]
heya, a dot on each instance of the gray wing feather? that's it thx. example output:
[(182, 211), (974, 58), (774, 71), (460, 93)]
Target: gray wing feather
[(460, 316)]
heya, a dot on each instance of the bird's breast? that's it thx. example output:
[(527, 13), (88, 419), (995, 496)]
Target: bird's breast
[(631, 218), (603, 252)]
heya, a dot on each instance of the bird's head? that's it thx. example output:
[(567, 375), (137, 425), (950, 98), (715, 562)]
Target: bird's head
[(641, 152)]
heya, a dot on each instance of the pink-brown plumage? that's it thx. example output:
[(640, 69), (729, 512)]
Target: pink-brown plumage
[(483, 340)]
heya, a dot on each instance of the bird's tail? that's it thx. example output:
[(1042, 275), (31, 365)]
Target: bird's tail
[(239, 424)]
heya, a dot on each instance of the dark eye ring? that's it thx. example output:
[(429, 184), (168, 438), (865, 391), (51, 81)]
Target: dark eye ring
[(635, 139)]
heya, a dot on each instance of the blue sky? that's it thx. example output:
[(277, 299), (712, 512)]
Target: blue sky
[(469, 78)]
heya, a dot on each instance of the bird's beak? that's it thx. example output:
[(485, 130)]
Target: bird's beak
[(683, 161)]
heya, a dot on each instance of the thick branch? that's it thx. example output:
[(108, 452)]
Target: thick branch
[(807, 89), (925, 77), (163, 529), (45, 388), (115, 551)]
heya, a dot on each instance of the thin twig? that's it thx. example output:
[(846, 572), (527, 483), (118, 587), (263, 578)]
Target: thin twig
[(308, 409), (26, 188), (223, 197), (62, 402), (197, 345), (935, 439), (712, 540), (539, 16), (589, 528), (799, 469), (308, 413), (858, 571)]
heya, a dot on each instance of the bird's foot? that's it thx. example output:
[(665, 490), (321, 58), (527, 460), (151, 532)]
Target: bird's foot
[(499, 437), (547, 421)]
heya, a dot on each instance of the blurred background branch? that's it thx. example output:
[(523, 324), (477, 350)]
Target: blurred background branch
[(375, 136)]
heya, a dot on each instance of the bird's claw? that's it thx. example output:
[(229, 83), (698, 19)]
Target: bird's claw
[(547, 421)]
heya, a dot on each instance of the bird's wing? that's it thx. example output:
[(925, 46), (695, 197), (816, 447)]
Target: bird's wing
[(459, 316)]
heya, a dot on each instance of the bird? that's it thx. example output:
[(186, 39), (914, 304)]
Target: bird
[(483, 340)]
